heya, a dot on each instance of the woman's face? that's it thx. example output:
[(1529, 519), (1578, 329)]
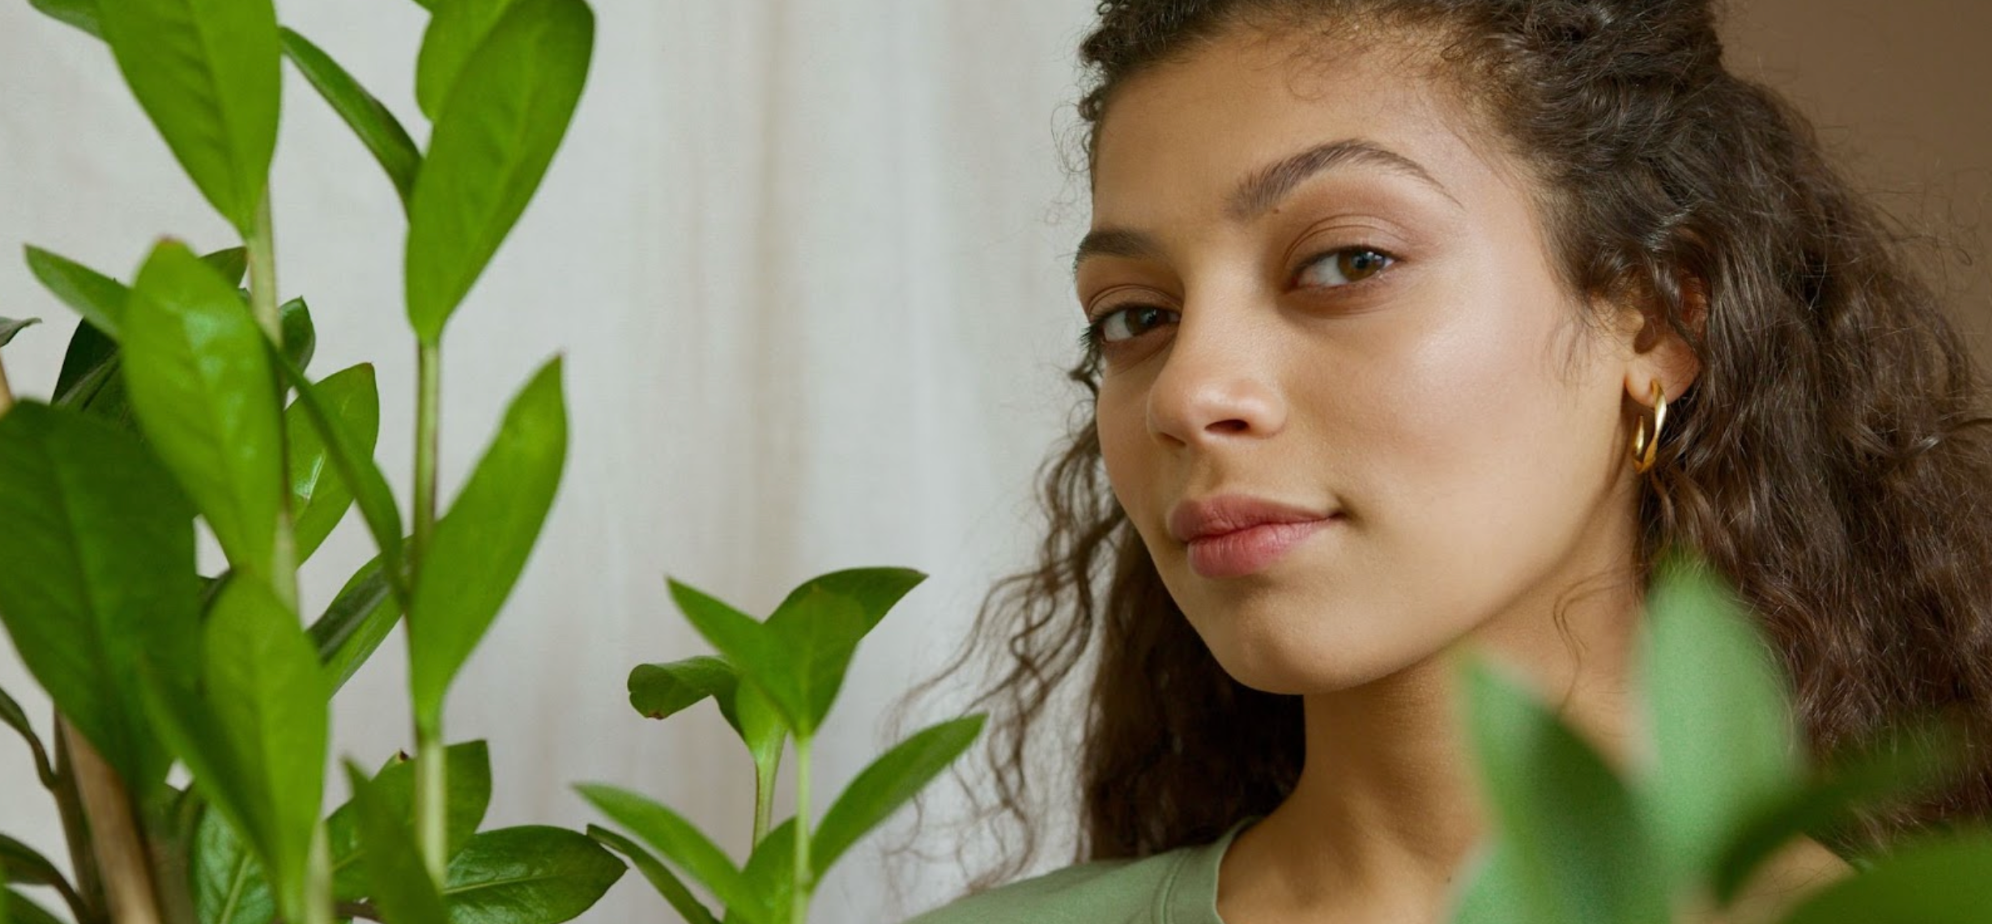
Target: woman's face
[(1328, 308)]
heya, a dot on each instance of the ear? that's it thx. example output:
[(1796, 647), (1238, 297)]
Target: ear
[(1654, 351)]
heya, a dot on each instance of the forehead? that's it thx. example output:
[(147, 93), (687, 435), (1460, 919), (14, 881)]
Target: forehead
[(1177, 138)]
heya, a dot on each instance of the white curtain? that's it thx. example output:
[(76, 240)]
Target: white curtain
[(807, 261)]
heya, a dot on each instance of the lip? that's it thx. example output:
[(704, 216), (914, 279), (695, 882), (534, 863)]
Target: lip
[(1236, 535)]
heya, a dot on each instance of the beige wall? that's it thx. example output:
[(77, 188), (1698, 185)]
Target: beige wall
[(1899, 92)]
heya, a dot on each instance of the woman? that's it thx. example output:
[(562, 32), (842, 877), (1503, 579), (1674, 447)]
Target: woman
[(1415, 325)]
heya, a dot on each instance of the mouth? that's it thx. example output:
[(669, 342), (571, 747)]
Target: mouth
[(1234, 536)]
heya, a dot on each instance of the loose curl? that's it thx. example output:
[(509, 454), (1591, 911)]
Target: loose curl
[(1830, 460)]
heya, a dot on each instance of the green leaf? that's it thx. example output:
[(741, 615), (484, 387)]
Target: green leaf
[(21, 864), (9, 327), (356, 467), (12, 716), (1725, 739), (206, 73), (755, 651), (496, 133), (468, 766), (884, 786), (1939, 881), (666, 882), (760, 726), (89, 368), (97, 297), (229, 885), (372, 122), (875, 591), (230, 264), (21, 911), (319, 497), (659, 691), (398, 883), (1493, 889), (770, 873), (356, 622), (79, 13), (201, 384), (1581, 852), (481, 545), (818, 630), (456, 31), (300, 335), (679, 841), (527, 875), (99, 547)]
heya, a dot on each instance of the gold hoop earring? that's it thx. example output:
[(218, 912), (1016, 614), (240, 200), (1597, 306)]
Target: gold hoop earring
[(1645, 445)]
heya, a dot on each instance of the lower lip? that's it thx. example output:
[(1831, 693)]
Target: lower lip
[(1248, 551)]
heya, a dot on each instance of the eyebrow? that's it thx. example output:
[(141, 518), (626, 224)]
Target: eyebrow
[(1263, 189)]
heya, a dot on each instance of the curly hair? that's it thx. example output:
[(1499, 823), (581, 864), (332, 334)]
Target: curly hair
[(1830, 460)]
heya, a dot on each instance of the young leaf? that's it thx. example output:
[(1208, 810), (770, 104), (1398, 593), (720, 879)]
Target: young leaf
[(358, 620), (398, 883), (231, 264), (666, 882), (659, 691), (99, 547), (300, 335), (681, 843), (356, 468), (1580, 850), (319, 497), (9, 327), (527, 875), (757, 653), (201, 385), (886, 785), (97, 297), (874, 590), (454, 33), (1938, 881), (469, 773), (206, 73), (229, 885), (1725, 740), (372, 122), (818, 630), (481, 545), (495, 134), (79, 13)]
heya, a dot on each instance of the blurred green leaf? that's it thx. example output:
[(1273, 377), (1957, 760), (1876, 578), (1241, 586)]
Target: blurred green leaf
[(99, 547), (376, 127), (201, 385), (21, 864), (455, 32), (770, 874), (496, 132), (482, 543), (1492, 889), (659, 691), (79, 13), (680, 842), (229, 885), (206, 73), (468, 767), (300, 335), (9, 327), (397, 881), (1939, 881), (1577, 843), (88, 367), (97, 297), (666, 882), (527, 875), (21, 911), (884, 786), (356, 468), (12, 716), (760, 726), (230, 264), (356, 622), (319, 497)]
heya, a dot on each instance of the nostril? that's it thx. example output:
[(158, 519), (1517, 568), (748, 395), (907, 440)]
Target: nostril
[(1229, 427)]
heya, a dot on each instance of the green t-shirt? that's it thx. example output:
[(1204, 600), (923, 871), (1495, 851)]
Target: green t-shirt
[(1177, 887)]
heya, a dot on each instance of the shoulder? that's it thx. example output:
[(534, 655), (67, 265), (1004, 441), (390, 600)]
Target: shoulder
[(1792, 875), (1101, 892)]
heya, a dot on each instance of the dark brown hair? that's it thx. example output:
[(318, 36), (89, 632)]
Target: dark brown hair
[(1830, 460)]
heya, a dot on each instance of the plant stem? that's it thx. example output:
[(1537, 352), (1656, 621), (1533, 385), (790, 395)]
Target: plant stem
[(431, 775), (6, 393), (764, 798), (431, 798), (318, 879), (428, 398), (115, 837), (263, 302), (76, 832), (804, 881)]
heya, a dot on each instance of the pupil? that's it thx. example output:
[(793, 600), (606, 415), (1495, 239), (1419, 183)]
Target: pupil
[(1361, 263)]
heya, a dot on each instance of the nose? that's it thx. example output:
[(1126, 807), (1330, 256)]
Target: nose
[(1218, 383)]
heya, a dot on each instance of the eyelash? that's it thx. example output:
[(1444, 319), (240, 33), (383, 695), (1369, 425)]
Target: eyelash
[(1092, 338)]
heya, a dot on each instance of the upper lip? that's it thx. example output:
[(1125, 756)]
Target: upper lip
[(1214, 516)]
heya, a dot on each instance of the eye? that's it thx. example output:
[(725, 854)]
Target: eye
[(1128, 323), (1342, 267)]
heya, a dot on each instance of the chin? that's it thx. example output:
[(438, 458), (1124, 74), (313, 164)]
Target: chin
[(1281, 660)]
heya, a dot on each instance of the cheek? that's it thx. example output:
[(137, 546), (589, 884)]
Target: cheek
[(1123, 432)]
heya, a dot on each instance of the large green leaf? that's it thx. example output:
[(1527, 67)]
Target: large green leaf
[(884, 786), (355, 623), (99, 547), (356, 467), (79, 13), (9, 327), (1577, 840), (455, 32), (496, 132), (229, 885), (397, 881), (376, 127), (1938, 881), (206, 73), (680, 842), (481, 545), (661, 878), (469, 772), (527, 875), (319, 497), (199, 372), (97, 297), (1725, 740)]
